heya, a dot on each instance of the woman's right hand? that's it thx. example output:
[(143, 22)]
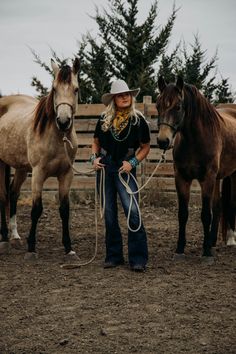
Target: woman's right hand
[(97, 165)]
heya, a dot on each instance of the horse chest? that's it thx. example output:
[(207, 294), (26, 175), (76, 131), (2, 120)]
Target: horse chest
[(188, 168), (190, 172)]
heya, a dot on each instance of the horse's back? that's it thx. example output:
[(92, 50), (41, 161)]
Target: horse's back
[(16, 115), (16, 102), (227, 109)]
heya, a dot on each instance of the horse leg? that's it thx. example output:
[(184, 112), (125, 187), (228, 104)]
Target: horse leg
[(216, 209), (37, 208), (4, 196), (183, 193), (206, 216), (19, 177), (231, 234), (64, 210)]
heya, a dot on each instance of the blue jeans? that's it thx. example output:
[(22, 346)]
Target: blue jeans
[(137, 241)]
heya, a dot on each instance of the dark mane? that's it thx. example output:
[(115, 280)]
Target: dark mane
[(44, 113), (64, 74), (197, 107)]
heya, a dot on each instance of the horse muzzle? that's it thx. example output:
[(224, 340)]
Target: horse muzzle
[(64, 124), (164, 144)]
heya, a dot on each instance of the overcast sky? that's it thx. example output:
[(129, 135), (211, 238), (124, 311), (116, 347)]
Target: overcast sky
[(41, 24)]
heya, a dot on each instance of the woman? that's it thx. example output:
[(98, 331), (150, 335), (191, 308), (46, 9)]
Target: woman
[(121, 142)]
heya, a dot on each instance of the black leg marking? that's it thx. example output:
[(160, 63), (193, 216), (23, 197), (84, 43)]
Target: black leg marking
[(64, 214), (36, 212), (4, 228), (183, 218), (206, 218)]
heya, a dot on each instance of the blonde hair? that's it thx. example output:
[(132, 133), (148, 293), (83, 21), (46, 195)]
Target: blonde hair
[(109, 114)]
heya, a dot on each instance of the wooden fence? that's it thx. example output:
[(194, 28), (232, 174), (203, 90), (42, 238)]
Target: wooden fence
[(85, 121)]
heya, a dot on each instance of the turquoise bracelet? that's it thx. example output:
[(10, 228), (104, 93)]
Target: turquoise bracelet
[(93, 157), (134, 162)]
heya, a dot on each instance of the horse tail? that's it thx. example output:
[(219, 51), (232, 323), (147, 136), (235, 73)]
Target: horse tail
[(226, 205)]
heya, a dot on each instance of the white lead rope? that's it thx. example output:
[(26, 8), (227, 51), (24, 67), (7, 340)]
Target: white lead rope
[(132, 194), (102, 199)]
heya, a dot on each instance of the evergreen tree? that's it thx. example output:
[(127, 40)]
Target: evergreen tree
[(133, 49), (223, 94), (94, 77), (39, 87), (196, 70), (137, 53)]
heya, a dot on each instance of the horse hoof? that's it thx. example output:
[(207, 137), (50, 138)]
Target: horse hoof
[(178, 257), (4, 247), (31, 256), (208, 260), (231, 241), (16, 243), (71, 257)]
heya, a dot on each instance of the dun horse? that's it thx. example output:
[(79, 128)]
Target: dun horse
[(204, 149), (31, 139)]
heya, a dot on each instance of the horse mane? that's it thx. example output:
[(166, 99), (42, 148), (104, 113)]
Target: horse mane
[(64, 74), (197, 107), (44, 111)]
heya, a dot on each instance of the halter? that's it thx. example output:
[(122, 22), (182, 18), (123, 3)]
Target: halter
[(68, 104), (175, 127)]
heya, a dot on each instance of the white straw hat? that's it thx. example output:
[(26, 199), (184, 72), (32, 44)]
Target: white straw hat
[(119, 86)]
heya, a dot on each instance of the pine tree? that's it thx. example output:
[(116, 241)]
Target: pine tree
[(223, 94), (39, 87), (133, 49), (193, 66), (94, 77), (137, 53)]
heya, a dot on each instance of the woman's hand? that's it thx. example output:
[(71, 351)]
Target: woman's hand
[(97, 165), (126, 167)]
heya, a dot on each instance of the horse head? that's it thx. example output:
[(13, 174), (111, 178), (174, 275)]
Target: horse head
[(65, 90), (170, 108)]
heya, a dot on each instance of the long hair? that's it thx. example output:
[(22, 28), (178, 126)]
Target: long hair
[(109, 114)]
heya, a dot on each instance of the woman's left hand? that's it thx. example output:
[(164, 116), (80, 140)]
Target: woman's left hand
[(126, 167)]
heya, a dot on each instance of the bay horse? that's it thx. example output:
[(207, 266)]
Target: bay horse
[(31, 139), (204, 148)]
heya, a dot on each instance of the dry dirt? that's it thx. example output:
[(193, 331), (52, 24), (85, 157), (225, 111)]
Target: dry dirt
[(185, 307)]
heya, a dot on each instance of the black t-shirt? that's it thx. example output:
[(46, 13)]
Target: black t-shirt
[(130, 139)]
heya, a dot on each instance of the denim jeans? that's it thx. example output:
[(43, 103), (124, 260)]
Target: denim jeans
[(137, 241)]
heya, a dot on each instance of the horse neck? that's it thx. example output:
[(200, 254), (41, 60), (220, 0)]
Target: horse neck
[(58, 135), (198, 135)]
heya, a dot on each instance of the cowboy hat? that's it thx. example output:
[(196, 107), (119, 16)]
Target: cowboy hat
[(119, 86)]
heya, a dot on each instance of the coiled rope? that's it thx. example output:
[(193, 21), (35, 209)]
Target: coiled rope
[(102, 199)]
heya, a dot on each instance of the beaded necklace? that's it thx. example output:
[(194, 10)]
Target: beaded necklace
[(116, 135)]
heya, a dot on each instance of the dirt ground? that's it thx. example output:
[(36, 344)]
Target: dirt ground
[(175, 307)]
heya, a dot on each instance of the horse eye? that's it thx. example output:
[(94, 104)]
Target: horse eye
[(76, 89)]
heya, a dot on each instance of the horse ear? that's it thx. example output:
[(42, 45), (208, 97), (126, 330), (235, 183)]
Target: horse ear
[(76, 65), (55, 67), (180, 83), (161, 83)]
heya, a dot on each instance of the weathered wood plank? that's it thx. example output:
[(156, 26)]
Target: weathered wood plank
[(85, 122), (94, 110), (84, 152), (89, 124), (158, 183)]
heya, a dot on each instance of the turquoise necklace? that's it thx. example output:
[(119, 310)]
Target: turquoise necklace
[(116, 135)]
